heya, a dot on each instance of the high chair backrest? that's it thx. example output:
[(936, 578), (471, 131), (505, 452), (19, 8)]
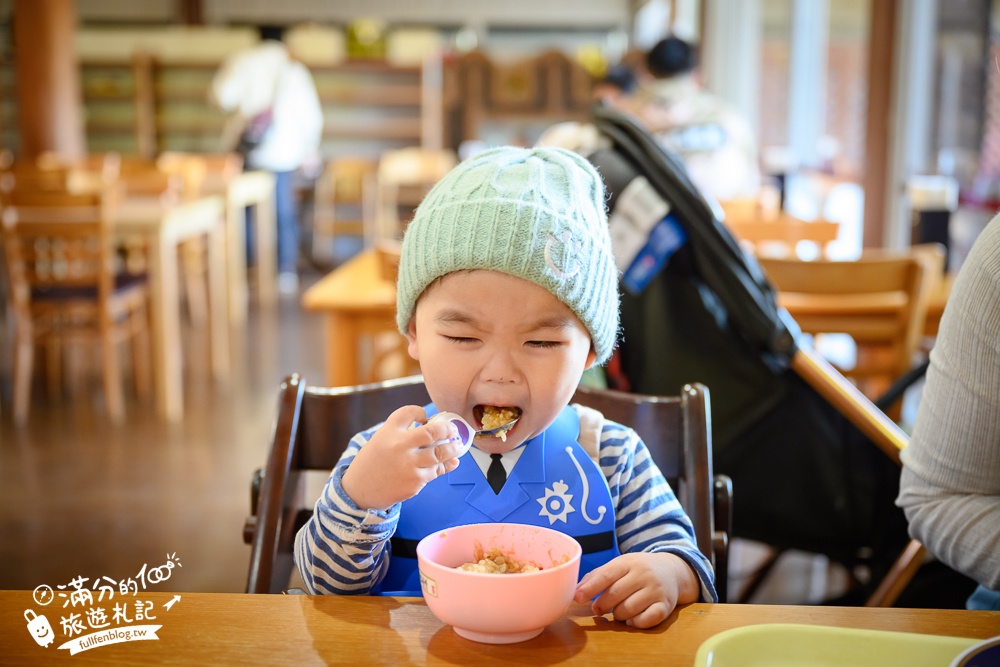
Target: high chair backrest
[(314, 424)]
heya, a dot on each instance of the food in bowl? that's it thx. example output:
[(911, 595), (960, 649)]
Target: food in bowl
[(499, 610), (494, 561)]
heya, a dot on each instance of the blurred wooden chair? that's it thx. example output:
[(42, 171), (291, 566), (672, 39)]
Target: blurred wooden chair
[(880, 300), (343, 203), (202, 173), (404, 176), (314, 424), (66, 287), (188, 172), (388, 253), (90, 173), (783, 234), (30, 176), (206, 174), (177, 177)]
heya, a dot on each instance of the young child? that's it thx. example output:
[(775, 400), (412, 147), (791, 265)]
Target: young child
[(507, 292)]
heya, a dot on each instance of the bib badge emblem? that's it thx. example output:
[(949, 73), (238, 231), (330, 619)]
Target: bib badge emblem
[(556, 503)]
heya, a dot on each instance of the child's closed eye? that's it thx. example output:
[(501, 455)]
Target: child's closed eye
[(543, 344), (462, 340)]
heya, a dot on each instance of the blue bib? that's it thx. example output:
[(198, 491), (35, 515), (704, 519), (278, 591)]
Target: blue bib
[(554, 484)]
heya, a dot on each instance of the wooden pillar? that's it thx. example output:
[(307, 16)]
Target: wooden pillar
[(144, 101), (881, 47), (191, 12), (50, 115)]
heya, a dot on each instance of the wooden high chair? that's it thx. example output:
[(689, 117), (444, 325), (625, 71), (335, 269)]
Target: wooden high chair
[(314, 424)]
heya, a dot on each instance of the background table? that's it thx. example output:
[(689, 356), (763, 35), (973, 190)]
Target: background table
[(235, 629), (163, 228), (358, 300)]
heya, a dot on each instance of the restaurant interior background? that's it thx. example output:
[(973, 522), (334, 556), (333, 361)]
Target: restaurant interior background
[(82, 497)]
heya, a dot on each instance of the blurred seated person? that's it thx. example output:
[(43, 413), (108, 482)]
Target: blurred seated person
[(617, 88), (715, 142), (950, 483)]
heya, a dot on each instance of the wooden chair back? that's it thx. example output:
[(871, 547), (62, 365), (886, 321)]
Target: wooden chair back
[(64, 286), (343, 200), (201, 173), (314, 424), (91, 172), (676, 430), (781, 235), (879, 300), (142, 178), (404, 176), (56, 240), (311, 430), (30, 176)]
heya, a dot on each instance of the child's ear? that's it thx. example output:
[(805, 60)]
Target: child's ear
[(411, 337), (591, 357)]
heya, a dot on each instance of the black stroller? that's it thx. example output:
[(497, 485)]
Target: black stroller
[(805, 476)]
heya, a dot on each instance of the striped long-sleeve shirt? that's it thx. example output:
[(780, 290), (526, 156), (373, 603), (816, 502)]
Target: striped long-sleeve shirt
[(342, 548)]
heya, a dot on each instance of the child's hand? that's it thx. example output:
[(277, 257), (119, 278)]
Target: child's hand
[(640, 588), (397, 462)]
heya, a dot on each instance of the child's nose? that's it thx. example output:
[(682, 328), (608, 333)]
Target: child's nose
[(500, 367)]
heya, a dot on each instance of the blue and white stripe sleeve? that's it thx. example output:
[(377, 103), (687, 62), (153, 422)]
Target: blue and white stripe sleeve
[(342, 548), (648, 516)]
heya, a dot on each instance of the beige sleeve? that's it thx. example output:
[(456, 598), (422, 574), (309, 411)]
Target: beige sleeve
[(591, 424), (950, 484)]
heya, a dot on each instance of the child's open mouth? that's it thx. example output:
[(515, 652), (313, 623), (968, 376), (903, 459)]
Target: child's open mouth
[(492, 420)]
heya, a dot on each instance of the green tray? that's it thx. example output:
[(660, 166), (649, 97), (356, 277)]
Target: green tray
[(785, 645)]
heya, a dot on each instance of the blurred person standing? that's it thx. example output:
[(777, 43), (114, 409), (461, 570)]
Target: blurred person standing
[(280, 125), (715, 142)]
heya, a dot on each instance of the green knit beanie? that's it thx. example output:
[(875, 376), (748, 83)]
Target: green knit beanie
[(538, 214)]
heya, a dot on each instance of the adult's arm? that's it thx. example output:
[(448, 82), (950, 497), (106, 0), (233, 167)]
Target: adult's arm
[(950, 484)]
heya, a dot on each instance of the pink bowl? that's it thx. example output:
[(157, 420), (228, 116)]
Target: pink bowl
[(498, 608)]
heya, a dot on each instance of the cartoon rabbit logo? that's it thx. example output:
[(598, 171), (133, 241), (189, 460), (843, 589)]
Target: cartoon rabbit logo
[(39, 628)]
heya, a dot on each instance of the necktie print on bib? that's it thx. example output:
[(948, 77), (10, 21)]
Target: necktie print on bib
[(586, 492), (560, 255)]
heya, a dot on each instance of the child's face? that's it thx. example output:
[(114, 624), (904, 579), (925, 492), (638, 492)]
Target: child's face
[(488, 338)]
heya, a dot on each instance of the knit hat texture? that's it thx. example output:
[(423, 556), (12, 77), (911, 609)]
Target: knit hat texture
[(537, 214)]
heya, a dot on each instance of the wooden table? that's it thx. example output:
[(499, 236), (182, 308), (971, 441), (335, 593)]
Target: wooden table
[(237, 629), (163, 229), (357, 299)]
